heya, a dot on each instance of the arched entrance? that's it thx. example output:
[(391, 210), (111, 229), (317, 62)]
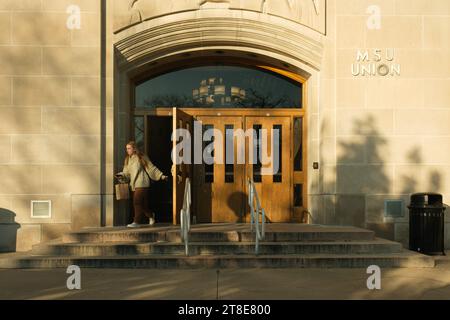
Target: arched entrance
[(233, 104), (291, 57)]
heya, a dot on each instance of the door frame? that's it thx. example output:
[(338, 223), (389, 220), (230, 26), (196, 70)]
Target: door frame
[(296, 177), (298, 215)]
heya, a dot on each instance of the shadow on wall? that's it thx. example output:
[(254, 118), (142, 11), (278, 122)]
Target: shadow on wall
[(49, 139), (8, 231), (360, 170), (356, 196)]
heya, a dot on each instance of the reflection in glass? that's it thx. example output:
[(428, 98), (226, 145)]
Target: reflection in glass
[(277, 177), (298, 195), (139, 127), (229, 143), (219, 86), (208, 146), (298, 147), (257, 165)]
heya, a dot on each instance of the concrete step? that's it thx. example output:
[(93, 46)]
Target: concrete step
[(218, 248), (150, 235), (406, 259), (443, 260)]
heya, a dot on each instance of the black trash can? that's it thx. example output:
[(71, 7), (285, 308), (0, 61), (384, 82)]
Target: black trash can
[(426, 223)]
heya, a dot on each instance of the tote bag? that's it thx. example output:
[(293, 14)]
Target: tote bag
[(122, 191)]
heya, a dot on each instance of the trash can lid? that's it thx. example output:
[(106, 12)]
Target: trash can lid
[(426, 199)]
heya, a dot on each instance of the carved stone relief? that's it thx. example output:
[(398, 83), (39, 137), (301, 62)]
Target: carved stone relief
[(307, 12)]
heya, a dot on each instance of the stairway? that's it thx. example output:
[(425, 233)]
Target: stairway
[(220, 246)]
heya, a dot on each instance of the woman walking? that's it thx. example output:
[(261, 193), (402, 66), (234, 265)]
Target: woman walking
[(139, 170)]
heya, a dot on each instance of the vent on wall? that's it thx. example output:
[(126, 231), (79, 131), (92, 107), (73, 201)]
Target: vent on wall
[(393, 208), (41, 209)]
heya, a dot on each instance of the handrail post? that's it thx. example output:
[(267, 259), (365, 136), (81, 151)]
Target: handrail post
[(263, 226), (255, 211), (250, 202), (185, 216)]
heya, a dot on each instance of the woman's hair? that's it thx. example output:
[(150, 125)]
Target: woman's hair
[(138, 152)]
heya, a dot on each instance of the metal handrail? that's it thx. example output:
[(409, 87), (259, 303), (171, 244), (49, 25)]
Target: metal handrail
[(255, 223), (185, 216)]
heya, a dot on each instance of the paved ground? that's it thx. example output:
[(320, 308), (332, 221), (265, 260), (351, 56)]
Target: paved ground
[(233, 284)]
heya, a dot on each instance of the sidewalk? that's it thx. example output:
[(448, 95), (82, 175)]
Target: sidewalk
[(262, 284)]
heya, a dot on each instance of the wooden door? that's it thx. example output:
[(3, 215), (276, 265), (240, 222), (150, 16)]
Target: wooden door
[(181, 120), (272, 177), (219, 190)]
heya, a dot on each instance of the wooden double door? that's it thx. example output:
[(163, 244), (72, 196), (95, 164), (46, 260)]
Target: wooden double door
[(237, 148), (234, 146)]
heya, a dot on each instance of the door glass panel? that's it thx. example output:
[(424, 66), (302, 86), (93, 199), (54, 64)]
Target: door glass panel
[(229, 154), (139, 127), (219, 86), (257, 165), (208, 147), (298, 144), (277, 157), (188, 168), (180, 125), (298, 195)]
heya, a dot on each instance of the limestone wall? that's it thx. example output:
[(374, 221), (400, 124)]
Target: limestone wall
[(49, 115), (384, 137)]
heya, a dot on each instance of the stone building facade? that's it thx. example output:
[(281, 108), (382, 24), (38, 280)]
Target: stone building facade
[(377, 99)]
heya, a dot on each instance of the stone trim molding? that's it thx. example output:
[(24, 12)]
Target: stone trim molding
[(181, 33)]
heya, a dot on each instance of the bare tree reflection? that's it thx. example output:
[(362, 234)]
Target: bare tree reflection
[(254, 99), (169, 100)]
